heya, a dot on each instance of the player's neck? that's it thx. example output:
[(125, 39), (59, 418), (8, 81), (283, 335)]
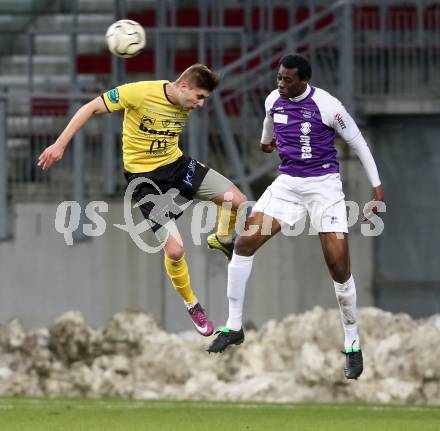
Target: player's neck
[(171, 93), (303, 95)]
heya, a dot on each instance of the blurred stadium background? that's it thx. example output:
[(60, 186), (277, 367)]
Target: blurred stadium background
[(381, 58)]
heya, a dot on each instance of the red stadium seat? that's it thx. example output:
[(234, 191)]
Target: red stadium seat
[(233, 17), (188, 18), (47, 106), (144, 62), (366, 18), (99, 64), (400, 18), (146, 18), (431, 17)]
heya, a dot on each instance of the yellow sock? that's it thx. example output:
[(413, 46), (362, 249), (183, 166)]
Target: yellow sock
[(178, 272), (226, 224)]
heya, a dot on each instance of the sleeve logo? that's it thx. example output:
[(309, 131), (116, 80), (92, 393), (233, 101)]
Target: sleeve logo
[(113, 95), (338, 118)]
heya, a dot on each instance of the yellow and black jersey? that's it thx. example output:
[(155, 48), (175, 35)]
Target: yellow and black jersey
[(152, 124)]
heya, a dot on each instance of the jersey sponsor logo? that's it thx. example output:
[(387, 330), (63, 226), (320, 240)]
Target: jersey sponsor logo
[(339, 119), (305, 128), (113, 95), (174, 116), (166, 132), (304, 139), (280, 118), (158, 147), (306, 113), (148, 120)]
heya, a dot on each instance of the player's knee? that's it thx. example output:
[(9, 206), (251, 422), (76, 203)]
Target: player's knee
[(238, 199), (339, 270), (241, 198), (244, 246), (174, 252)]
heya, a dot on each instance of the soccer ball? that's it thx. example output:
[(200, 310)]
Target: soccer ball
[(125, 38)]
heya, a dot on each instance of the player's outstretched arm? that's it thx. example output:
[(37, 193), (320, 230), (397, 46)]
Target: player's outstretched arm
[(344, 124), (55, 152)]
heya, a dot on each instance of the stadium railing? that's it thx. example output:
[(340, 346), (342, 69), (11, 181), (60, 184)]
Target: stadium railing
[(359, 50), (401, 61)]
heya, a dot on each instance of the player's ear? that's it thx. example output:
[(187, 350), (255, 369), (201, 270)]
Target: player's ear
[(183, 85)]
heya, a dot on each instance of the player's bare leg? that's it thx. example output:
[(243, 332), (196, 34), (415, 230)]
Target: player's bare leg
[(178, 272), (223, 238), (337, 257), (259, 228), (336, 254)]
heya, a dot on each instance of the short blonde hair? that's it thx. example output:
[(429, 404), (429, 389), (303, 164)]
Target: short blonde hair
[(200, 76)]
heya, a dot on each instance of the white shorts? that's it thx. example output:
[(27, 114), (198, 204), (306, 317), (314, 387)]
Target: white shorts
[(289, 199)]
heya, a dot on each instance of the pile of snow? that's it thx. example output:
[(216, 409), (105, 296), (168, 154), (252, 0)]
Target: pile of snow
[(295, 360)]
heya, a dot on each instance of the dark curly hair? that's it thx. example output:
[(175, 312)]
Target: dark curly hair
[(292, 61)]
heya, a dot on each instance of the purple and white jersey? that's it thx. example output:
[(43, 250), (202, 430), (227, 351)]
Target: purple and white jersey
[(305, 128)]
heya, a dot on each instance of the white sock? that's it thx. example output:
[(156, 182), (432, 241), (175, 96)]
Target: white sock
[(346, 296), (239, 270)]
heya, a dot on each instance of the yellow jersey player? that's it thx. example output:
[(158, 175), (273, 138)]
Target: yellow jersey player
[(155, 113)]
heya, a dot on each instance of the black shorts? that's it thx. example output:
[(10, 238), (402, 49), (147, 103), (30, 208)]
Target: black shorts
[(172, 184)]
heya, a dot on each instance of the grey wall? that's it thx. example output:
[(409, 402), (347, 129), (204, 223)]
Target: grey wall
[(408, 270), (42, 277)]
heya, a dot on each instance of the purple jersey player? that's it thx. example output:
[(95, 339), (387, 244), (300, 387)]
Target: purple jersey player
[(301, 122)]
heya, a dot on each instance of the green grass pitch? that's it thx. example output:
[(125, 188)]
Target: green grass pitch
[(23, 414)]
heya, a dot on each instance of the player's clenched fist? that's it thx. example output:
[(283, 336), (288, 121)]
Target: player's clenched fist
[(268, 148)]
